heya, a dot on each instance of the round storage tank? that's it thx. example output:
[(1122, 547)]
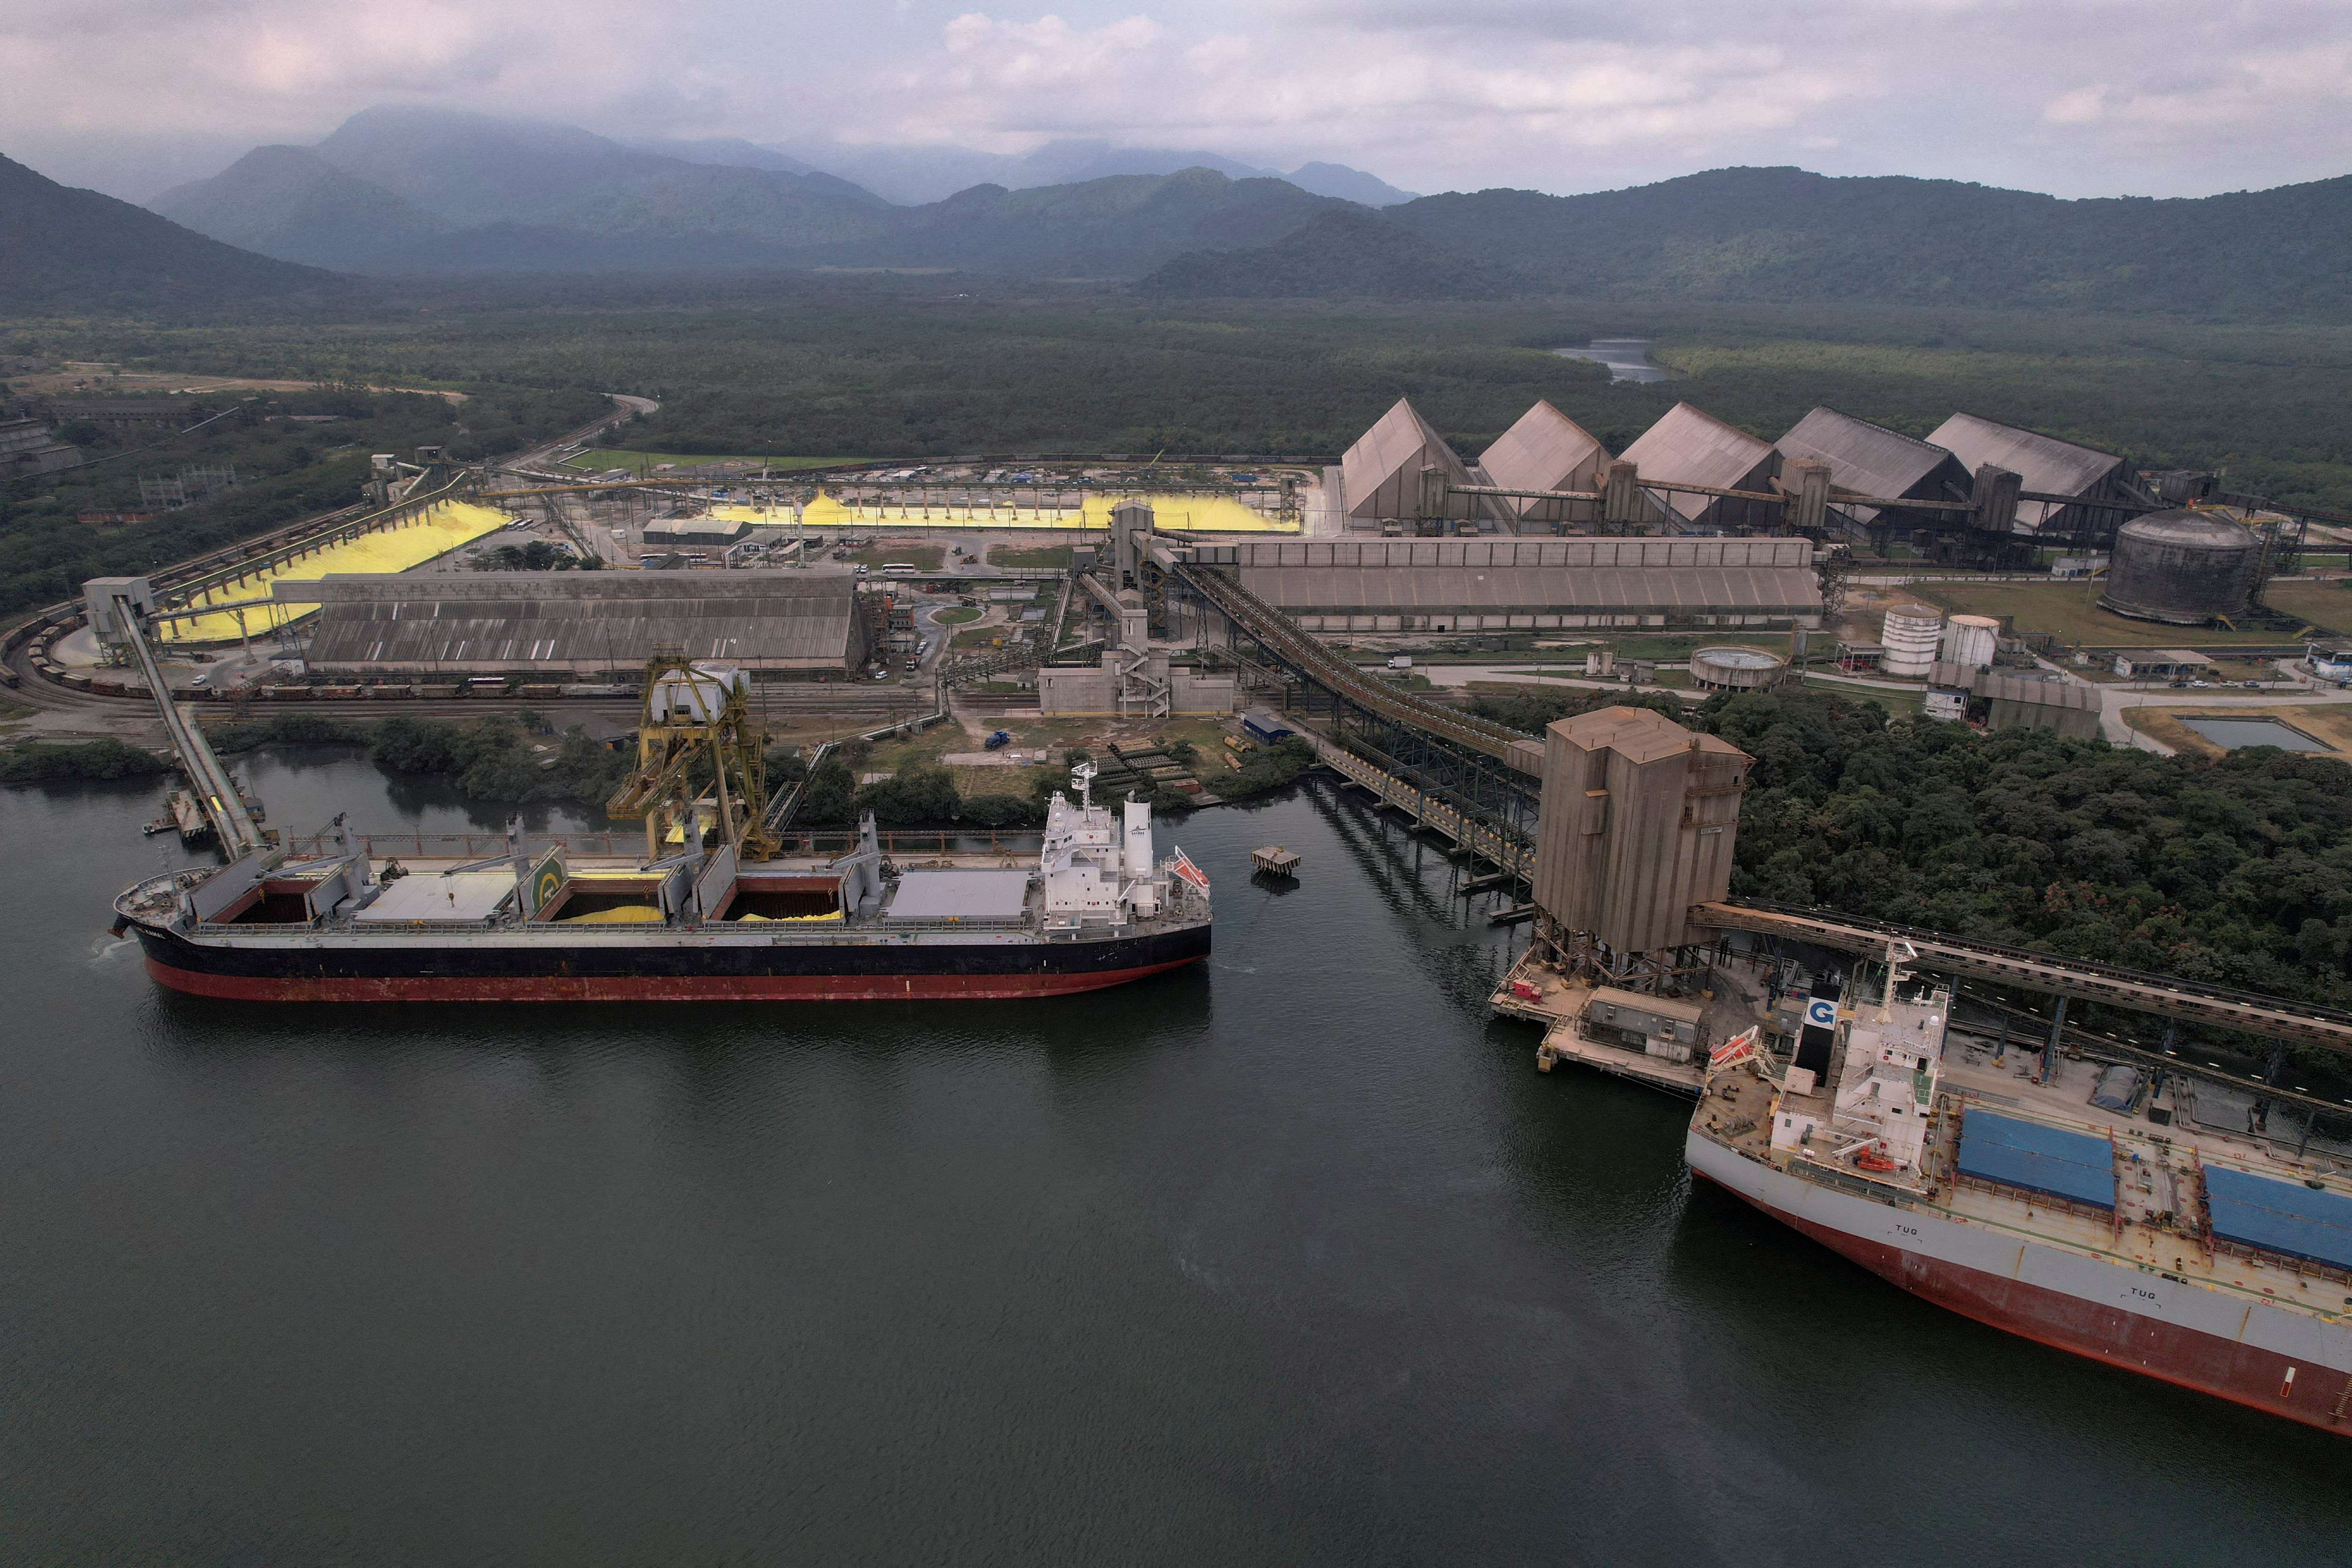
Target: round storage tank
[(2181, 567), (1912, 635), (1736, 668), (1972, 640)]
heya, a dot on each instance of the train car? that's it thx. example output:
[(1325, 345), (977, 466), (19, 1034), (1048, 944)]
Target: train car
[(540, 692), (339, 693), (441, 694), (390, 693), (286, 693), (489, 686)]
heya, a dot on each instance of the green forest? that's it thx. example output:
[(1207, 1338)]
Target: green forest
[(885, 367), (2234, 870)]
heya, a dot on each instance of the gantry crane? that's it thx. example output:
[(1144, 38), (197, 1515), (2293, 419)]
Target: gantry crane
[(699, 751)]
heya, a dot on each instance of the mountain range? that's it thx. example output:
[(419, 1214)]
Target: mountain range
[(404, 190), (416, 192), (67, 252), (1791, 236)]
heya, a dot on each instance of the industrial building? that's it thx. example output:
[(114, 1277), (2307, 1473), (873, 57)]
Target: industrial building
[(1546, 450), (1871, 460), (2008, 701), (568, 625), (1527, 585), (28, 447), (1636, 826), (2163, 664), (674, 534), (1380, 476), (1697, 448), (2054, 466)]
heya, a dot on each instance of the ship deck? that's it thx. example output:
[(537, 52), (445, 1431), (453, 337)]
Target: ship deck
[(2159, 1170)]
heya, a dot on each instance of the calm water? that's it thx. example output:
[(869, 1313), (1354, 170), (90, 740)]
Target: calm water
[(1292, 1258), (2231, 733), (1628, 359)]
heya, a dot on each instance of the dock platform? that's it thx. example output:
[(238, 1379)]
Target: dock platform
[(1539, 994)]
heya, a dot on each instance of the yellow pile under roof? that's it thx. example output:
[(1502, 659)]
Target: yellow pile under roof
[(1189, 513), (436, 531)]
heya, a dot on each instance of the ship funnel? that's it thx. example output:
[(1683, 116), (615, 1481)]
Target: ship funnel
[(1140, 894)]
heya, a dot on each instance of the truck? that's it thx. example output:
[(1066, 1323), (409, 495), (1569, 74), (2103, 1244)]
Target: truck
[(997, 741)]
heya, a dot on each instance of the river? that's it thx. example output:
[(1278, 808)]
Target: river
[(1291, 1258), (1628, 359)]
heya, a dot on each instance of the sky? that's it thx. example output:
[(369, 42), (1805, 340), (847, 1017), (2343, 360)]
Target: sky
[(2078, 98)]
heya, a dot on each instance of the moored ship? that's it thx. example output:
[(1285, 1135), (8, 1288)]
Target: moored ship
[(715, 907), (2082, 1208)]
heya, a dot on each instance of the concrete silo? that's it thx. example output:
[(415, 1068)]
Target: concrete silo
[(1972, 640), (1912, 635)]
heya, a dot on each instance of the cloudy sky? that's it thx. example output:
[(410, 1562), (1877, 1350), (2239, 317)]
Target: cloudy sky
[(2076, 97)]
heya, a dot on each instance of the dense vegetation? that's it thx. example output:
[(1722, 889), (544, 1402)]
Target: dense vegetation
[(2235, 871), (296, 454), (891, 367)]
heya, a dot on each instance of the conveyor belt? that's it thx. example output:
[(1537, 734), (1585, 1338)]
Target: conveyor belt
[(2271, 1017), (232, 825), (1275, 630)]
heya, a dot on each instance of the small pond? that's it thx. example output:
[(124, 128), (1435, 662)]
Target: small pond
[(2230, 734), (1628, 359)]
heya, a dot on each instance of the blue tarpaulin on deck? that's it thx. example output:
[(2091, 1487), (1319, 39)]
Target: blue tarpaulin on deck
[(2279, 1216), (2072, 1165)]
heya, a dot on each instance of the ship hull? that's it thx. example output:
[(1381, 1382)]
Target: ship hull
[(677, 970), (2287, 1364)]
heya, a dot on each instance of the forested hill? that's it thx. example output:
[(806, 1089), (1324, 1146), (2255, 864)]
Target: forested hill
[(65, 251), (1789, 235)]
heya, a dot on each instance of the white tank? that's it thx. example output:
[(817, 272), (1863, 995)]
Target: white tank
[(1972, 640), (1911, 636)]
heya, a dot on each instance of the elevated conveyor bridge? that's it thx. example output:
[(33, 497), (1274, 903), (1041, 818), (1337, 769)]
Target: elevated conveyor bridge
[(2023, 969), (1491, 774)]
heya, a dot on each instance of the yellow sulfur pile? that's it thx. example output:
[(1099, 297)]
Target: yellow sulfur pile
[(623, 913), (439, 530), (1199, 514)]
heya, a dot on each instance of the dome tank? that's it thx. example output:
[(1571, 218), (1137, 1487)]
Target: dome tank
[(2184, 568)]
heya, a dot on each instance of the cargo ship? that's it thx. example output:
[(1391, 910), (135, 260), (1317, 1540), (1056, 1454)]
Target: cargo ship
[(2078, 1205), (714, 908), (357, 923)]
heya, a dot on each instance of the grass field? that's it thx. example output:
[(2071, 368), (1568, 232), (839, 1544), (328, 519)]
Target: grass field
[(1899, 704), (2327, 605), (596, 459), (957, 617), (2070, 611)]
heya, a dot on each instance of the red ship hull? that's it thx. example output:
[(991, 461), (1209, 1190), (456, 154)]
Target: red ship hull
[(2245, 1374), (641, 988)]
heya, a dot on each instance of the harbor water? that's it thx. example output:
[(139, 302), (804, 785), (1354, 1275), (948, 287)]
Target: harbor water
[(1292, 1258)]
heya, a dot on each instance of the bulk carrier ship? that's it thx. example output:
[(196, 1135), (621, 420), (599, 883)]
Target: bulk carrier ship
[(711, 910), (2075, 1210)]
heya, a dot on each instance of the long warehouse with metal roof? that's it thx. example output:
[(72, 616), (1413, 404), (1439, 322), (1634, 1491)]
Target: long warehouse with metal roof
[(1530, 584), (776, 623)]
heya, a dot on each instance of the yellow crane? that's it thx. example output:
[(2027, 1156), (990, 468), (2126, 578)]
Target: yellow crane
[(699, 749)]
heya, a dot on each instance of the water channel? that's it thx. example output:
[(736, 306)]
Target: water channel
[(1292, 1258), (1628, 359)]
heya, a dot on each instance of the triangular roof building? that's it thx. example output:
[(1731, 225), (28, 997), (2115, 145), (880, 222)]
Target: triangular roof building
[(1380, 474), (1546, 450)]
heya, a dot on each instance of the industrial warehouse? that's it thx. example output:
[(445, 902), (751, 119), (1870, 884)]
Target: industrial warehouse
[(1527, 585), (578, 625)]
